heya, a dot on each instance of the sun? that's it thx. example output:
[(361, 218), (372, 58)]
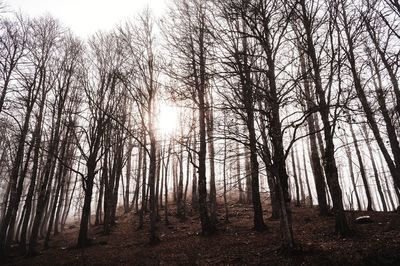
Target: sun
[(167, 119)]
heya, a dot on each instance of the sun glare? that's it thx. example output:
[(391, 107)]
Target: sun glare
[(167, 119)]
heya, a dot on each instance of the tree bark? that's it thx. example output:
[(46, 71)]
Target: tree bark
[(331, 171), (211, 154), (352, 177), (362, 168), (375, 168), (316, 167), (296, 181)]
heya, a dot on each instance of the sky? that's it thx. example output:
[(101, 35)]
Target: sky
[(85, 17)]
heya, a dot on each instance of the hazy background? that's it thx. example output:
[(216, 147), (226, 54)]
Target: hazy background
[(85, 17)]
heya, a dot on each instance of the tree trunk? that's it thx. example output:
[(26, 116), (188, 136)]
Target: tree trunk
[(362, 169), (393, 165), (138, 176), (195, 198), (331, 171), (166, 185), (352, 177), (375, 168), (158, 181), (238, 172), (266, 156), (99, 208), (314, 156), (247, 168), (69, 202), (83, 239), (211, 153), (279, 165), (88, 183), (224, 179), (296, 182), (128, 174), (14, 197), (389, 192), (152, 176), (306, 175), (180, 207), (144, 173), (302, 193), (187, 182), (53, 208), (207, 226)]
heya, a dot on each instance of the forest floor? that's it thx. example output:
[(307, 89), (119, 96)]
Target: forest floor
[(234, 244)]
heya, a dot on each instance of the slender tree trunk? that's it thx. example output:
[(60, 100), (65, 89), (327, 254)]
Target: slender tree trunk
[(211, 153), (60, 204), (387, 185), (99, 209), (48, 174), (118, 174), (62, 171), (83, 239), (53, 208), (180, 208), (393, 165), (306, 175), (166, 185), (352, 177), (195, 198), (162, 178), (302, 193), (248, 175), (259, 224), (5, 200), (128, 174), (107, 176), (374, 167), (224, 179), (266, 156), (238, 172), (279, 165), (296, 182), (88, 182), (157, 189), (152, 176), (13, 194), (69, 202), (187, 178), (206, 225), (314, 156), (37, 136), (362, 168), (138, 176), (144, 173), (331, 171)]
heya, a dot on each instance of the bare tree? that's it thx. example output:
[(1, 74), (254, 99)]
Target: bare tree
[(13, 43), (190, 35), (306, 15)]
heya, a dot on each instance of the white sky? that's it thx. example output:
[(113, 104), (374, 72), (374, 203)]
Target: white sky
[(84, 17)]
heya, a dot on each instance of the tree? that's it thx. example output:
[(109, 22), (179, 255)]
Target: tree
[(243, 92), (103, 65), (190, 35), (144, 88), (307, 18), (13, 43)]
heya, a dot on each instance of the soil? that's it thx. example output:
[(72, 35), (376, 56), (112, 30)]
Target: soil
[(234, 244)]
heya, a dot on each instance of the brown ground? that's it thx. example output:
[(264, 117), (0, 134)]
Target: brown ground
[(234, 244)]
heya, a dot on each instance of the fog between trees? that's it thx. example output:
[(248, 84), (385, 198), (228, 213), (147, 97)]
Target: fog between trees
[(285, 103)]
